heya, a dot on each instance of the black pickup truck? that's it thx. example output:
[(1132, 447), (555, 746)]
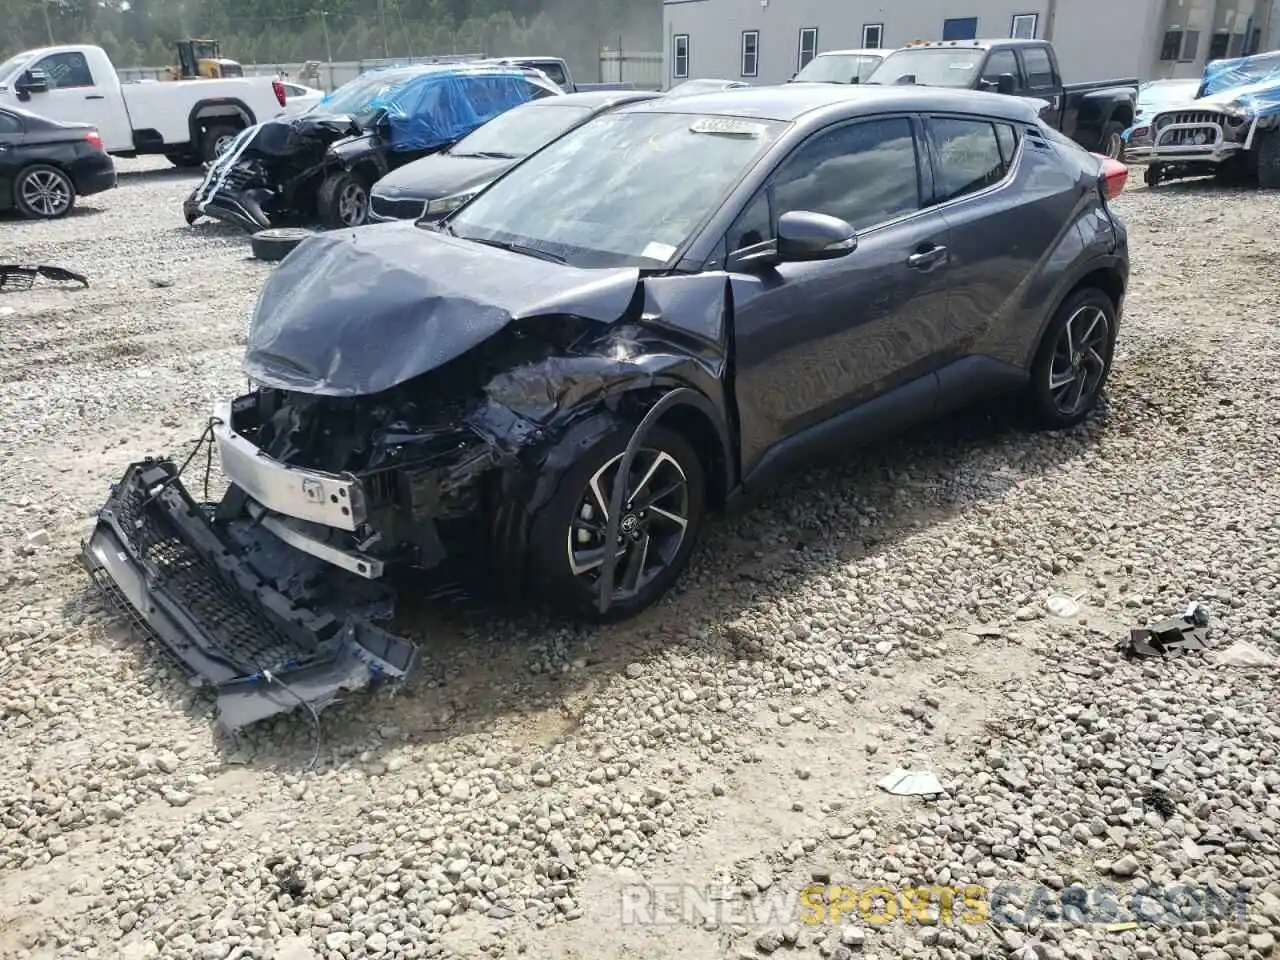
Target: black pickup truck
[(1092, 114)]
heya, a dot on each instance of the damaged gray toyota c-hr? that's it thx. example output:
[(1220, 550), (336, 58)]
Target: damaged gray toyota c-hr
[(668, 306)]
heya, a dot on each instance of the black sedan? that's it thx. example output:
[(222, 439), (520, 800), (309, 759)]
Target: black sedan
[(453, 176), (45, 164)]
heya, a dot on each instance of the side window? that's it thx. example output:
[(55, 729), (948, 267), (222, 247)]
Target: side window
[(66, 70), (9, 123), (754, 225), (1008, 142), (864, 173), (1001, 62), (1039, 67), (968, 157)]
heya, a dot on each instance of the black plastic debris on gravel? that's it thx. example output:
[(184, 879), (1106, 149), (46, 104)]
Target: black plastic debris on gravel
[(1175, 635)]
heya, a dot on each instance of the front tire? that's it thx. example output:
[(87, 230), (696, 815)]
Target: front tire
[(343, 201), (1268, 149), (664, 508), (42, 192), (1073, 362), (184, 161)]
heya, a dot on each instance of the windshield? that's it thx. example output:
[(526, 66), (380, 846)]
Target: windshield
[(355, 96), (519, 132), (13, 65), (931, 66), (839, 68), (625, 189)]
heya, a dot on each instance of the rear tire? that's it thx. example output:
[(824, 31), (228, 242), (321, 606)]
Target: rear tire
[(561, 533), (1072, 364), (1267, 146), (215, 139), (1152, 175), (277, 243), (42, 192)]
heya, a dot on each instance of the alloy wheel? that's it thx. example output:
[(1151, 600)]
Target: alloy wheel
[(46, 192), (353, 205), (1115, 146), (1079, 360), (651, 529), (221, 143)]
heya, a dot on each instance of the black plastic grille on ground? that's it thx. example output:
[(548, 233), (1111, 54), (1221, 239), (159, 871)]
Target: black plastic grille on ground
[(243, 636)]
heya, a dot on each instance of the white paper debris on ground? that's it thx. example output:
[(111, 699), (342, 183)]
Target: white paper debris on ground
[(905, 783), (1241, 654)]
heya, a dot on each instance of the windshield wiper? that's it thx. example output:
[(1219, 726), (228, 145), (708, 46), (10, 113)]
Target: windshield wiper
[(518, 248)]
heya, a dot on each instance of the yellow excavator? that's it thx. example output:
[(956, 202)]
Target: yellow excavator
[(202, 60)]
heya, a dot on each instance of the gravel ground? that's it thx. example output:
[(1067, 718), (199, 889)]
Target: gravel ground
[(883, 613)]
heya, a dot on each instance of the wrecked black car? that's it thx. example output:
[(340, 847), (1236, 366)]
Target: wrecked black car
[(664, 308), (319, 166)]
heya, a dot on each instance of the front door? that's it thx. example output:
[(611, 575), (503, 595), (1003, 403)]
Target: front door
[(813, 340), (10, 136), (75, 95)]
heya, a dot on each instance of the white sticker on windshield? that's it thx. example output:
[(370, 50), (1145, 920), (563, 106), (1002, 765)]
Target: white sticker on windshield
[(961, 66), (728, 127), (658, 251)]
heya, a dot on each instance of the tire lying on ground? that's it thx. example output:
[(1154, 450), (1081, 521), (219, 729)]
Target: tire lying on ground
[(276, 243)]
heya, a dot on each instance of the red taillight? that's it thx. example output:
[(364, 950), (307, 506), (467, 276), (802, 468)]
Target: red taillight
[(278, 89), (1112, 177), (94, 140)]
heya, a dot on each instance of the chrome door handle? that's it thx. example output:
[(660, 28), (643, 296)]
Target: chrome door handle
[(926, 257)]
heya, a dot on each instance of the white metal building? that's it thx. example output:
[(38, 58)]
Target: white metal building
[(767, 41)]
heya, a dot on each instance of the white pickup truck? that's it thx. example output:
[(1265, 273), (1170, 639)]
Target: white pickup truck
[(188, 121)]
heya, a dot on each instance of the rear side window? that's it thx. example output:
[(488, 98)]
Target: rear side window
[(864, 173), (9, 123), (1008, 141), (968, 157), (1039, 67)]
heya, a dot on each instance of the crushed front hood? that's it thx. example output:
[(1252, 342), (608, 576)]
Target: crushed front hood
[(356, 312), (240, 612)]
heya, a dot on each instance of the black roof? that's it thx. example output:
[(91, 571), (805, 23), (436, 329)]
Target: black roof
[(789, 102)]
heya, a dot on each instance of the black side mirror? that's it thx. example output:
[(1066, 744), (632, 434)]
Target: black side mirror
[(805, 236), (31, 81), (1005, 84)]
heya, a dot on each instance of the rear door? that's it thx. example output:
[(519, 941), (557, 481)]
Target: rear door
[(1043, 82), (1007, 202), (813, 340)]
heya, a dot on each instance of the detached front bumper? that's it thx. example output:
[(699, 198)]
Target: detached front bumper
[(241, 208), (232, 607)]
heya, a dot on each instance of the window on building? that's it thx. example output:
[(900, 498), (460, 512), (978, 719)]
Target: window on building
[(872, 36), (750, 53), (1171, 46), (1039, 68), (968, 157), (680, 56), (1024, 26), (1001, 62), (1236, 45), (1218, 45), (960, 28), (808, 46), (1253, 44), (66, 70), (1190, 46)]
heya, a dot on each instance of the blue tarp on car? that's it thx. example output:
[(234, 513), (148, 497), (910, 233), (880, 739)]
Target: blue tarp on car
[(432, 105), (1252, 82)]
